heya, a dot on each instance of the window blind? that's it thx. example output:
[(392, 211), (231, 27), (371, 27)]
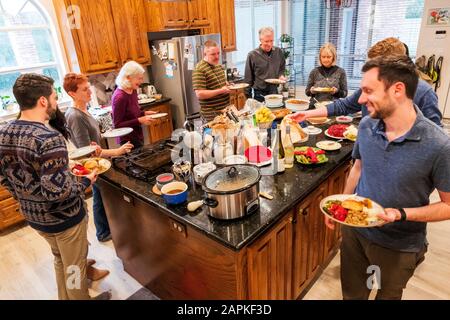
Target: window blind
[(351, 29)]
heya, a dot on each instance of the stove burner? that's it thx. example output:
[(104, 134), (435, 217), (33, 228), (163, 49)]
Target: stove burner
[(146, 162)]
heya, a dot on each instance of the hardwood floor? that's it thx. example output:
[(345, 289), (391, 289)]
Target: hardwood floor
[(26, 268)]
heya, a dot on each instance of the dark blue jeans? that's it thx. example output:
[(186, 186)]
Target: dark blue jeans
[(100, 219)]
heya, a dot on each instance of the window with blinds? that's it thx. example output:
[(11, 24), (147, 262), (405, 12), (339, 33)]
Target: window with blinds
[(352, 29), (251, 15)]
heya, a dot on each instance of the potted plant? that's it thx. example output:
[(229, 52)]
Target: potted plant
[(287, 54), (286, 40)]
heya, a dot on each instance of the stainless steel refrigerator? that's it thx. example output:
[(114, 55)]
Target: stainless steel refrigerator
[(173, 62)]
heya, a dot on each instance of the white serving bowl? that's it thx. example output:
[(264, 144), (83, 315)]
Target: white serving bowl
[(297, 104), (274, 100)]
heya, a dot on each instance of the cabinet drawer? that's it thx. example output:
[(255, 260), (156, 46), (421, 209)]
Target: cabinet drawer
[(7, 202), (4, 194), (10, 215), (10, 211)]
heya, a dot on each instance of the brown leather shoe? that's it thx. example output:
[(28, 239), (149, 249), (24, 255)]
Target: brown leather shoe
[(95, 274), (90, 262)]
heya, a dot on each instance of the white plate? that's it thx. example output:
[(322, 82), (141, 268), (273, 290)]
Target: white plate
[(344, 119), (342, 197), (81, 152), (334, 137), (143, 101), (312, 130), (323, 89), (119, 132), (328, 145), (238, 86), (158, 115), (261, 164), (314, 122), (273, 106), (275, 81)]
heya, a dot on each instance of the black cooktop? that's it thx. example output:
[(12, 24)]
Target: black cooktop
[(146, 162)]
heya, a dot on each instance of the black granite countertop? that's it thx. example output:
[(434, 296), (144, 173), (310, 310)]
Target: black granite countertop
[(288, 190), (154, 103)]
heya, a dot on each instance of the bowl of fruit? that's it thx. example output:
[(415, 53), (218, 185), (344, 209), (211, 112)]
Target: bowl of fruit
[(264, 118)]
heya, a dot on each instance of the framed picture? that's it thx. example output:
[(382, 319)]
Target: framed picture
[(438, 17)]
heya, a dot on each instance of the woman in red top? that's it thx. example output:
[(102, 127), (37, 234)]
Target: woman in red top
[(125, 107)]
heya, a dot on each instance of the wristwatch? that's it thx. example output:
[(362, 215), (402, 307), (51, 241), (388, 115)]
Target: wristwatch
[(402, 214)]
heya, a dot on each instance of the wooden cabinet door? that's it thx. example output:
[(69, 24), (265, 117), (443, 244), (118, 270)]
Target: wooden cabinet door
[(174, 14), (95, 40), (270, 263), (335, 186), (214, 18), (308, 240), (227, 25), (161, 128), (198, 13), (153, 11), (131, 24)]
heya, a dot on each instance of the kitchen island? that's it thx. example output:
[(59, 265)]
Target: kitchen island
[(275, 253)]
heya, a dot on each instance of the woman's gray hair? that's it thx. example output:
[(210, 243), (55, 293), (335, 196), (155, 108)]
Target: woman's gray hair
[(129, 69)]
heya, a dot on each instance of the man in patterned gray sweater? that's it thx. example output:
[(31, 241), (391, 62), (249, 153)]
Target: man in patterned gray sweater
[(34, 168)]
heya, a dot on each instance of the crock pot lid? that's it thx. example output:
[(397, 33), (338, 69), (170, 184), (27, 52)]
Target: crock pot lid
[(230, 178)]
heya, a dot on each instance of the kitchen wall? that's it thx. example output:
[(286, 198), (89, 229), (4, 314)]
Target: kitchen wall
[(438, 44)]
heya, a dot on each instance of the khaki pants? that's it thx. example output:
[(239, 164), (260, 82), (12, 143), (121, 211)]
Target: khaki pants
[(70, 249), (360, 258)]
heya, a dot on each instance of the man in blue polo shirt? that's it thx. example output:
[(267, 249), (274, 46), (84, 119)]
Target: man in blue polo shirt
[(400, 158)]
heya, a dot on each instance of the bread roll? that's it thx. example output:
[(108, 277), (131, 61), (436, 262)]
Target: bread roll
[(90, 164), (353, 205)]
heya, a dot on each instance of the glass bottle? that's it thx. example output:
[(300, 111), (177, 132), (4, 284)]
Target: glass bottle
[(288, 149), (280, 151)]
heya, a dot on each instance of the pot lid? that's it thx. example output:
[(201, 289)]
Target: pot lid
[(232, 178)]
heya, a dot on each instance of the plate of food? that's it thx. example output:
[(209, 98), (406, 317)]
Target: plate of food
[(344, 119), (351, 133), (323, 89), (83, 167), (322, 104), (238, 86), (318, 120), (258, 155), (352, 210), (328, 145), (281, 113), (310, 155), (82, 152), (336, 131), (119, 132), (275, 81)]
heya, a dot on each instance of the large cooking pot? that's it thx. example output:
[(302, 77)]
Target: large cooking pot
[(232, 191)]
